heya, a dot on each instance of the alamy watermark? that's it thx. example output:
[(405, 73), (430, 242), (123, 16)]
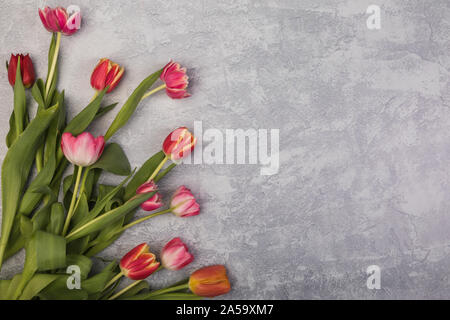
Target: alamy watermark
[(373, 22), (237, 146)]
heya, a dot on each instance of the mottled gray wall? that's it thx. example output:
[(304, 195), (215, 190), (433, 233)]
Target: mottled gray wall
[(364, 119)]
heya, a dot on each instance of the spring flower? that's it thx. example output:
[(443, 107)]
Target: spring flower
[(58, 20), (26, 70), (82, 150), (155, 201), (179, 143), (183, 203), (106, 73), (175, 255), (176, 80), (210, 281), (139, 263)]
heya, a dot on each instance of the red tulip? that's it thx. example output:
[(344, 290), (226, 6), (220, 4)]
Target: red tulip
[(179, 143), (176, 80), (183, 203), (155, 201), (58, 20), (175, 255), (210, 281), (106, 73), (139, 263), (26, 70), (82, 150)]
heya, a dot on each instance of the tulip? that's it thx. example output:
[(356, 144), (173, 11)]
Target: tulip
[(58, 20), (176, 80), (106, 73), (183, 203), (139, 263), (155, 201), (83, 150), (26, 70), (210, 281), (179, 143), (175, 255)]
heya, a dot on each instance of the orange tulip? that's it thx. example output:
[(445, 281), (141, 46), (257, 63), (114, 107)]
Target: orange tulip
[(210, 281)]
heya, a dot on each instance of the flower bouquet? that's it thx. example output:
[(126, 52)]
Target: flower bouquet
[(53, 204)]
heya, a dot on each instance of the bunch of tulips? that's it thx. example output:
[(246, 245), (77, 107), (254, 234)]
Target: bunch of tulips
[(63, 218)]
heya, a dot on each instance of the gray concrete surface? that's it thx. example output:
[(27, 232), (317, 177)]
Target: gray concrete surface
[(364, 119)]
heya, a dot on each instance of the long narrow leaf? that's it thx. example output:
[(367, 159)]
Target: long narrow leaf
[(16, 168), (109, 217), (131, 104)]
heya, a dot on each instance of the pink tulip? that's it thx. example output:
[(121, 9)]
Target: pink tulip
[(175, 255), (83, 150), (183, 203), (58, 20), (179, 144), (176, 80), (155, 201)]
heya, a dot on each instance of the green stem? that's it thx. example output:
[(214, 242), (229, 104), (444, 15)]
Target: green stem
[(135, 222), (167, 290), (83, 186), (121, 292), (72, 203), (158, 168), (148, 94), (117, 277), (53, 67), (164, 172)]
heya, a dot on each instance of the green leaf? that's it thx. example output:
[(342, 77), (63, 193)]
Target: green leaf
[(57, 218), (143, 174), (13, 286), (113, 160), (82, 120), (20, 101), (4, 286), (82, 210), (37, 284), (176, 296), (97, 283), (101, 246), (12, 133), (104, 110), (37, 93), (131, 104), (81, 261), (44, 251), (16, 168), (135, 290), (26, 227), (101, 204), (109, 217), (58, 290)]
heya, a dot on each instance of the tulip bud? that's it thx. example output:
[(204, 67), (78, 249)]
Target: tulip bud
[(58, 20), (155, 201), (175, 255), (179, 143), (210, 281), (106, 73), (139, 263), (26, 70), (176, 80), (183, 203), (83, 150)]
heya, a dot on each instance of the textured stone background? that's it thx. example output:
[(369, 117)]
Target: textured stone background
[(364, 119)]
